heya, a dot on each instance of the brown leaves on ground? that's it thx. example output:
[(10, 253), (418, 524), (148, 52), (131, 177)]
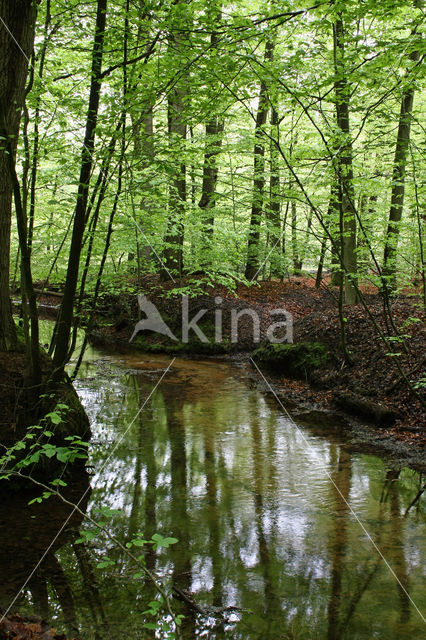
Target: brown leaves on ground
[(14, 627)]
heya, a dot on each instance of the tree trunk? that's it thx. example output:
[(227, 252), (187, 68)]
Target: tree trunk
[(367, 208), (16, 43), (143, 148), (344, 167), (173, 253), (145, 154), (318, 278), (275, 200), (28, 293), (177, 131), (297, 262), (214, 130), (253, 258), (213, 143), (36, 142), (398, 184), (64, 322)]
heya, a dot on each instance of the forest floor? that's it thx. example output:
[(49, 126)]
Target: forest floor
[(372, 376)]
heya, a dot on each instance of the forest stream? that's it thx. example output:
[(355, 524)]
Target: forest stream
[(279, 521)]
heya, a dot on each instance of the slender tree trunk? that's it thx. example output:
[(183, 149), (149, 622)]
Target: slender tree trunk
[(107, 243), (345, 167), (28, 293), (333, 219), (274, 199), (144, 153), (336, 268), (173, 253), (366, 212), (36, 141), (253, 257), (318, 278), (421, 226), (398, 184), (64, 322), (304, 248), (213, 143), (100, 191), (283, 241), (177, 131), (143, 146), (16, 42), (214, 130), (297, 262)]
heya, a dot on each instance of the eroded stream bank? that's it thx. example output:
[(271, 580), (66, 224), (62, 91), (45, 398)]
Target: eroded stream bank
[(279, 520)]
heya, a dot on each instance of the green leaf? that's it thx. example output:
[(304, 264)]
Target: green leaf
[(159, 541), (58, 483), (63, 455), (54, 417), (138, 542), (105, 563)]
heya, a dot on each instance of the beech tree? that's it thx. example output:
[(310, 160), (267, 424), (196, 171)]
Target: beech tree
[(398, 179), (253, 258), (17, 24), (251, 138)]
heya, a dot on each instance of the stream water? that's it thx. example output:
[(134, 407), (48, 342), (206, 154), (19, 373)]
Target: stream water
[(281, 521)]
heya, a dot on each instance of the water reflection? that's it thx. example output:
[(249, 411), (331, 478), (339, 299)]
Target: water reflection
[(264, 515), (30, 537)]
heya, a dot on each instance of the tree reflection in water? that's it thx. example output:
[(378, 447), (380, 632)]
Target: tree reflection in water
[(264, 516)]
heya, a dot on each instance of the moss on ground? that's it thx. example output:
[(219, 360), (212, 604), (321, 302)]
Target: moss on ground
[(296, 360), (192, 347)]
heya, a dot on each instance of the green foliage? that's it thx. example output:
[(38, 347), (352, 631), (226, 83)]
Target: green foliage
[(38, 446), (420, 383), (222, 81)]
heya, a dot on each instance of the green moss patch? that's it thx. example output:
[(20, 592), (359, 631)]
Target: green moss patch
[(295, 360), (194, 347)]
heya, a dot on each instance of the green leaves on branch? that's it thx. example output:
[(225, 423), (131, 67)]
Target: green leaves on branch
[(37, 445), (157, 541)]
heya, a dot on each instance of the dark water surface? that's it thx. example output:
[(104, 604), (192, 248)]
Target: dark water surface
[(280, 521)]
